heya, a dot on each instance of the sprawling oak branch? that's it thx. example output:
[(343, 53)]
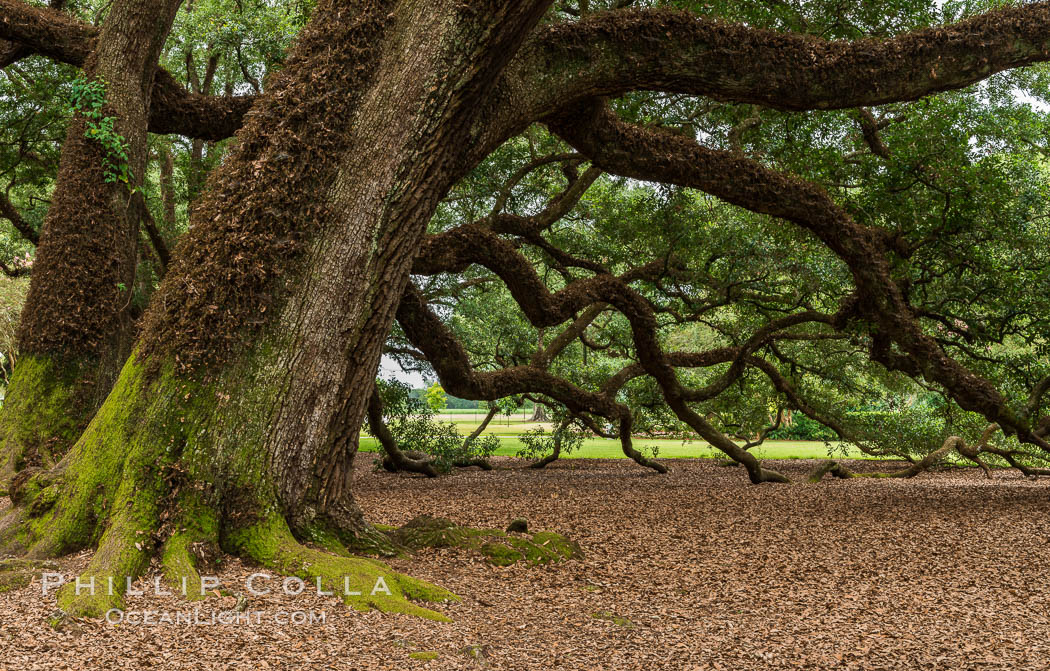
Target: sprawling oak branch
[(611, 53), (651, 154), (48, 32), (450, 361), (477, 245)]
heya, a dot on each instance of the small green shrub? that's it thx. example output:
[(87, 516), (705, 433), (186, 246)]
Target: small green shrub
[(415, 428), (538, 443)]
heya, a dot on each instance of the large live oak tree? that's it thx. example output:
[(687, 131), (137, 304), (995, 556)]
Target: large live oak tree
[(235, 421)]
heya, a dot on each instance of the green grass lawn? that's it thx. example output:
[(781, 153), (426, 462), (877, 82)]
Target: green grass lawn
[(605, 448)]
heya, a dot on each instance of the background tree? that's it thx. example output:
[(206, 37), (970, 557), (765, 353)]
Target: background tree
[(435, 397)]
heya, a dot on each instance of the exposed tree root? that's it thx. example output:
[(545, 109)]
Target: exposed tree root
[(396, 461), (420, 462), (361, 583), (840, 471), (123, 555), (195, 538), (483, 464), (134, 496), (501, 548)]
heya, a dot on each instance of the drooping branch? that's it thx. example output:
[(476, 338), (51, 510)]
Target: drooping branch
[(555, 454), (399, 460), (784, 387), (485, 421), (436, 342)]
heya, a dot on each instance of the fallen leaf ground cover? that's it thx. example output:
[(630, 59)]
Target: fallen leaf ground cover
[(693, 570)]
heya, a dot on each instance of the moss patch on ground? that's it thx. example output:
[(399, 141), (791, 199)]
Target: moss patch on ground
[(425, 656), (618, 620), (19, 573), (498, 547)]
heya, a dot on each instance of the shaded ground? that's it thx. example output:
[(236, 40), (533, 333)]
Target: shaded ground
[(693, 570)]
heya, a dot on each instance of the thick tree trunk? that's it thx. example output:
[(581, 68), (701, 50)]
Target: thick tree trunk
[(240, 410), (539, 413), (76, 330)]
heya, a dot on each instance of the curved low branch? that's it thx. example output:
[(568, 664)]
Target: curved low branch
[(840, 471), (398, 459)]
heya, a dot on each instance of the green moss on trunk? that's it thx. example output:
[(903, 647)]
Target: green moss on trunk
[(159, 461), (48, 403)]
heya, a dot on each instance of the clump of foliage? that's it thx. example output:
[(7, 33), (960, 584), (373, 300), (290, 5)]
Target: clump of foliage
[(88, 97), (414, 425), (539, 443), (436, 397)]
